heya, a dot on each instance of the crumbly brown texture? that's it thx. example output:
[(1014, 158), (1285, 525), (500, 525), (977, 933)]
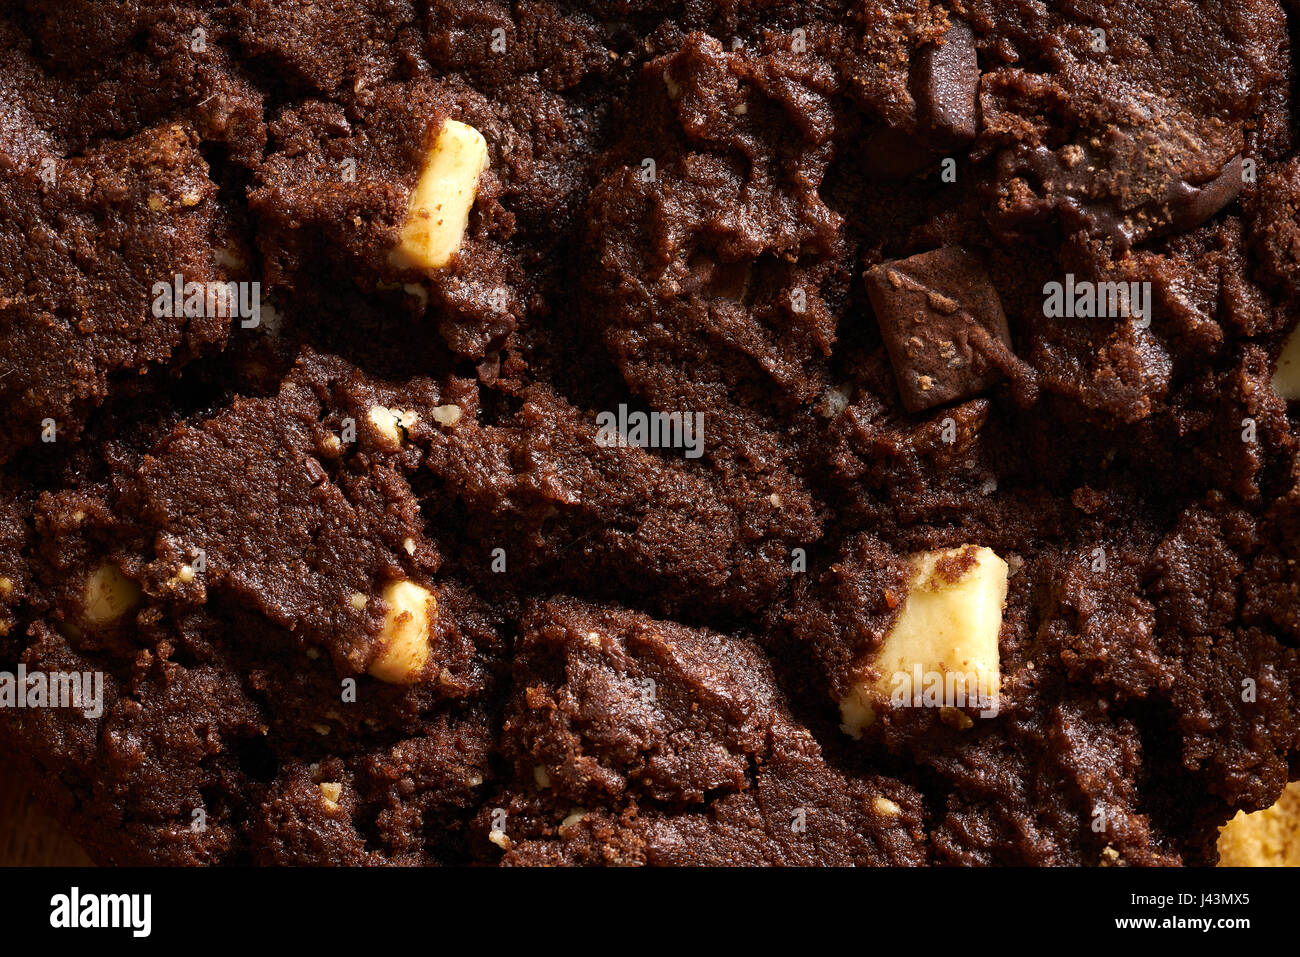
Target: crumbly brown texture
[(690, 207)]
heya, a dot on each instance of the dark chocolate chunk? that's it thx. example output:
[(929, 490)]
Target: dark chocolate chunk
[(1109, 197), (1188, 206), (945, 82), (941, 319)]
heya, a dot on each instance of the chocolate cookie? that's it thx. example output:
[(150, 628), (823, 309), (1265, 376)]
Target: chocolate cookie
[(651, 433)]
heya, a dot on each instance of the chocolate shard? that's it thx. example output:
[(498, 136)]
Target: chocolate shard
[(1110, 196), (942, 323), (945, 84), (944, 80), (1189, 206)]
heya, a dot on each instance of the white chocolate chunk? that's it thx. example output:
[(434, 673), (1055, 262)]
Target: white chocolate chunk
[(439, 209), (108, 596), (573, 817), (945, 637), (330, 792), (412, 609), (1286, 381), (886, 808), (446, 414), (391, 423)]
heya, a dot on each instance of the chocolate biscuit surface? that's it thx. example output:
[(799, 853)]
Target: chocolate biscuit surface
[(374, 579)]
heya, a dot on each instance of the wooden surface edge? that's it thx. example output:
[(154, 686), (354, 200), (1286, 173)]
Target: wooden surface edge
[(28, 836)]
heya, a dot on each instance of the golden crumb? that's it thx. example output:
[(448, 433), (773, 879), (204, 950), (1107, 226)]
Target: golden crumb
[(1268, 838)]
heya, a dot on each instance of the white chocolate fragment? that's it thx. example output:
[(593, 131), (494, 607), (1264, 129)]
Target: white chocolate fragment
[(886, 807), (418, 292), (446, 414), (404, 637), (391, 424), (439, 208), (108, 596), (574, 816), (1286, 381), (946, 635), (330, 792)]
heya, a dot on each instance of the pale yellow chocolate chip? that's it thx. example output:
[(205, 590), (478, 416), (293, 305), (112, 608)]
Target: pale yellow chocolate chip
[(330, 792), (574, 816), (108, 596), (1286, 381), (886, 807), (412, 609), (446, 414), (391, 424), (946, 634), (439, 208)]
